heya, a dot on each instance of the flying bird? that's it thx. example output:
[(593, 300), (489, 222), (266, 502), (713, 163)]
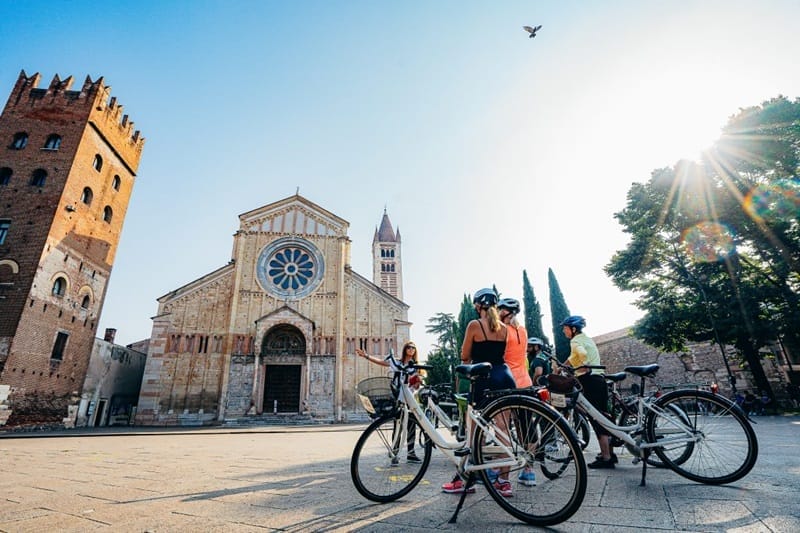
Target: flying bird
[(532, 31)]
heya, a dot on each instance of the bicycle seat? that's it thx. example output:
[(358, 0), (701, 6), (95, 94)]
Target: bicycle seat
[(474, 371), (619, 376), (647, 371)]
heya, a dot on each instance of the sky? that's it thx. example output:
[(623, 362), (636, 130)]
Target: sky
[(493, 153)]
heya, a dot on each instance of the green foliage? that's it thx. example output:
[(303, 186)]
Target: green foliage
[(450, 336), (715, 245), (533, 312), (558, 311)]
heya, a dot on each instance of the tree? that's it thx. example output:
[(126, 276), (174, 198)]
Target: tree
[(445, 354), (533, 313), (450, 336), (715, 245), (558, 312)]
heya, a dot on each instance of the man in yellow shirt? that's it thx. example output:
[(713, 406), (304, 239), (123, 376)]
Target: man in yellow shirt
[(583, 352)]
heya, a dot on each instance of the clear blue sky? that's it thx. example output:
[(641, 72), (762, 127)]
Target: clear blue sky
[(492, 152)]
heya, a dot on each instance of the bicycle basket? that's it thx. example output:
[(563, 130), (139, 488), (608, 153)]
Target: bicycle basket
[(376, 395), (561, 384)]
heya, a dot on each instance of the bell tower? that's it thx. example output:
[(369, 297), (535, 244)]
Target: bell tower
[(387, 264), (68, 161)]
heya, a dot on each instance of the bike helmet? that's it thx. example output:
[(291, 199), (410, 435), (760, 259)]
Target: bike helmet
[(485, 298), (535, 340), (509, 303), (574, 321)]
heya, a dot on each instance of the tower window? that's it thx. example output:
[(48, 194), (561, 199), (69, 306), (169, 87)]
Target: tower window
[(107, 214), (5, 175), (98, 162), (85, 302), (87, 196), (39, 177), (59, 286), (59, 345), (53, 142), (4, 227), (20, 140), (116, 182)]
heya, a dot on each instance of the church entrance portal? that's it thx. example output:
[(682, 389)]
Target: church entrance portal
[(283, 354), (282, 389)]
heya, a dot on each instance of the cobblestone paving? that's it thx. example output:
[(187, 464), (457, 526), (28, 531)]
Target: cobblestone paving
[(297, 479)]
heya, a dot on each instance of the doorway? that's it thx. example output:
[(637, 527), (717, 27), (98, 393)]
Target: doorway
[(282, 389)]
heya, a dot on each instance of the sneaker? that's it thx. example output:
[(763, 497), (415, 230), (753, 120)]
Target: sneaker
[(456, 487), (527, 477), (395, 461), (614, 458), (601, 463), (503, 488), (411, 457)]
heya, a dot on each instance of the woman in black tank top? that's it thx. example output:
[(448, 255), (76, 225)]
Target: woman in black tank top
[(485, 342)]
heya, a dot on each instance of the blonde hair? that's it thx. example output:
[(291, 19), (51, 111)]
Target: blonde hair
[(495, 324)]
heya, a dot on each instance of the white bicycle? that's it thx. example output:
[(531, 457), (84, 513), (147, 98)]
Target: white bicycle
[(510, 432)]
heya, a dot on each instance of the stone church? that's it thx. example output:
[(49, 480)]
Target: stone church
[(274, 331)]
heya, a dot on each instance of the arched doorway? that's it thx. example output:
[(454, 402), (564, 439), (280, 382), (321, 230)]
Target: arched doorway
[(283, 353)]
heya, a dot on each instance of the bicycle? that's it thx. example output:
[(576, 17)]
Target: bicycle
[(715, 448), (511, 431)]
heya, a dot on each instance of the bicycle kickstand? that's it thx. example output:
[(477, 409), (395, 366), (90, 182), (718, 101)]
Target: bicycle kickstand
[(646, 456), (470, 482)]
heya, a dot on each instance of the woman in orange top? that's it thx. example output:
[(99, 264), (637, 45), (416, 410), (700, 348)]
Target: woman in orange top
[(515, 356)]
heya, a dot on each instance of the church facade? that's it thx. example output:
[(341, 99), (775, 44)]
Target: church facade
[(275, 329)]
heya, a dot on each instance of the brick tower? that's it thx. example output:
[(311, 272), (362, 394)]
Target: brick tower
[(387, 264), (68, 161)]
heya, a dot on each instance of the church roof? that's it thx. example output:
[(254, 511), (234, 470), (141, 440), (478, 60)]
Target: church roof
[(385, 233)]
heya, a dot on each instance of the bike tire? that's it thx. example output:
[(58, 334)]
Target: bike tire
[(727, 447), (379, 466), (536, 434)]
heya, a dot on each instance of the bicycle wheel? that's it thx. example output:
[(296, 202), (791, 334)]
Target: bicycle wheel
[(382, 467), (725, 448), (532, 433)]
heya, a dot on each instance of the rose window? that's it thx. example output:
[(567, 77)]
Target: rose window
[(290, 267)]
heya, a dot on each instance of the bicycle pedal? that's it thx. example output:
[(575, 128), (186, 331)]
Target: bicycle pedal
[(461, 452)]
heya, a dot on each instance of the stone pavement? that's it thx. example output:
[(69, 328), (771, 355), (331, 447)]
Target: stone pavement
[(297, 479)]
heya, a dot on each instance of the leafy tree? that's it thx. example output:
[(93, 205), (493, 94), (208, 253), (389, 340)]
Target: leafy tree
[(450, 336), (445, 353), (558, 311), (715, 245), (533, 313)]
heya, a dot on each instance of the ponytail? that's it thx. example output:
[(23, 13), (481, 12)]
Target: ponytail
[(494, 319)]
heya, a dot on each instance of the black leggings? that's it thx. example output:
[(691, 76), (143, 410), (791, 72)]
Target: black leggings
[(596, 391)]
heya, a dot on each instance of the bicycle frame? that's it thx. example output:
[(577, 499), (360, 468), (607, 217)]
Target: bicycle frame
[(452, 449), (684, 432)]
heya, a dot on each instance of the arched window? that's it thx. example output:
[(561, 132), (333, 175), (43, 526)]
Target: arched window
[(5, 175), (39, 177), (98, 162), (87, 196), (53, 142), (20, 140), (116, 182), (107, 214), (59, 286), (86, 302)]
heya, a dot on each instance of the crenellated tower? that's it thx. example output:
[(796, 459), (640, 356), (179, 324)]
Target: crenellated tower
[(387, 264), (68, 162)]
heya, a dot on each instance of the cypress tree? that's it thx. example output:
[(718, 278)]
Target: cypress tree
[(558, 311), (533, 312), (465, 316)]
